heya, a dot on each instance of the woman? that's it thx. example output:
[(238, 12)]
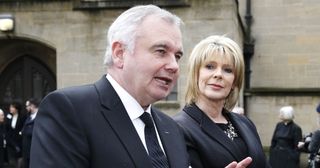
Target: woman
[(2, 138), (215, 136), (15, 121), (284, 152)]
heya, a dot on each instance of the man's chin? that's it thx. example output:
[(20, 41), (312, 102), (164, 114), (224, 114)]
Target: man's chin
[(158, 96), (160, 92)]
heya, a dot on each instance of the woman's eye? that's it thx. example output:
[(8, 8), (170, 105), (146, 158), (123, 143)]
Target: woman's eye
[(209, 66), (228, 70)]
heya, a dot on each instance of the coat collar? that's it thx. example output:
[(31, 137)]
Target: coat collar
[(116, 116), (213, 130), (250, 136), (247, 134), (242, 124)]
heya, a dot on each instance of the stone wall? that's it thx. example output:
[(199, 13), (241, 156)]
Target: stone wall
[(79, 36), (264, 111), (287, 40)]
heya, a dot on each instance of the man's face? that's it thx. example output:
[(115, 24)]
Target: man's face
[(13, 110), (151, 70), (28, 107)]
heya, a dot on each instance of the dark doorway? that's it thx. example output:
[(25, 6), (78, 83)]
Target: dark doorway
[(23, 78)]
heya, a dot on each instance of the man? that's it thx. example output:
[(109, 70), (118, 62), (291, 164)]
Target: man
[(28, 107), (103, 125), (98, 125), (314, 145), (32, 108)]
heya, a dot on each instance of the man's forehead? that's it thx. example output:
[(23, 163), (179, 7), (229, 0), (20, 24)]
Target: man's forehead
[(168, 45)]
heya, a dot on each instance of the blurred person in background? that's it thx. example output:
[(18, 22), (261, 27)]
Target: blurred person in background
[(312, 145), (14, 124), (238, 109), (284, 152), (2, 138), (32, 108)]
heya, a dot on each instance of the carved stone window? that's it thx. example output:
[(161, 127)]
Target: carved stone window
[(96, 4)]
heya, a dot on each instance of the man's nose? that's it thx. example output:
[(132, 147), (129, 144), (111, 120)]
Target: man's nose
[(172, 64)]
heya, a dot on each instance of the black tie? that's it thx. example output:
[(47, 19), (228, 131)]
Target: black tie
[(156, 154)]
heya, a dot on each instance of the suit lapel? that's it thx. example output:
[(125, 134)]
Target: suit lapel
[(213, 131), (28, 121), (116, 116), (168, 140)]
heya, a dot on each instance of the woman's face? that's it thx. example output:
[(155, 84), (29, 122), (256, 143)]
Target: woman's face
[(13, 110), (216, 77)]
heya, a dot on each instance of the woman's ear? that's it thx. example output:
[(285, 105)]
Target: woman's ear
[(118, 51)]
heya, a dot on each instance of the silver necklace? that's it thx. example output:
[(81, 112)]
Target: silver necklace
[(230, 131)]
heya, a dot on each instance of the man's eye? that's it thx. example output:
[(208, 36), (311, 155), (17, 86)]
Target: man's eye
[(178, 56), (160, 51)]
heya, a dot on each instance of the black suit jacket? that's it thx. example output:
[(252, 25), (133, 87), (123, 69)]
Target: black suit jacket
[(314, 145), (88, 127), (27, 137), (13, 137), (209, 147)]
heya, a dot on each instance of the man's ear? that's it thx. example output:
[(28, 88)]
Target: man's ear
[(118, 51)]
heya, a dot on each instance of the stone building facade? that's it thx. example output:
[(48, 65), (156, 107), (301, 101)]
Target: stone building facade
[(285, 66), (57, 44)]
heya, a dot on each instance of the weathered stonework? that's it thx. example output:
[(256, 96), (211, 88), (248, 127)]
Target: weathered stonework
[(286, 54)]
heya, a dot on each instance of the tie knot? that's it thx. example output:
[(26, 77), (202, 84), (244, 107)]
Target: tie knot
[(146, 118)]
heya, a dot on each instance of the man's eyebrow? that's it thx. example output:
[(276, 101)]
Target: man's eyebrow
[(161, 45)]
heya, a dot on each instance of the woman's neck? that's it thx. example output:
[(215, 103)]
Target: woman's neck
[(212, 109)]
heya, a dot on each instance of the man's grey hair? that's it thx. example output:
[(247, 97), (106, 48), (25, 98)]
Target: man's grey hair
[(124, 28)]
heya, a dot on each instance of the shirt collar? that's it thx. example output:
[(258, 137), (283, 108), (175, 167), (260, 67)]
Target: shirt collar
[(131, 105), (33, 115)]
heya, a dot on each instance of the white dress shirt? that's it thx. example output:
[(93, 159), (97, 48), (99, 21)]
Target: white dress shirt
[(14, 121), (33, 115), (133, 109)]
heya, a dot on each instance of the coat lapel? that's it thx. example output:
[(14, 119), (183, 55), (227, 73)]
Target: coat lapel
[(252, 140), (213, 131), (168, 139), (116, 116)]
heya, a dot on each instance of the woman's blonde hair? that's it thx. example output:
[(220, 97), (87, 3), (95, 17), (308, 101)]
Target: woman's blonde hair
[(206, 50)]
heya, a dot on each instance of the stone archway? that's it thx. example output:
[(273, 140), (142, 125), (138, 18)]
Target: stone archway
[(27, 69)]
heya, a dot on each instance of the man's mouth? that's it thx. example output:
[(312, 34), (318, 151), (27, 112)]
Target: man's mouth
[(164, 80)]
